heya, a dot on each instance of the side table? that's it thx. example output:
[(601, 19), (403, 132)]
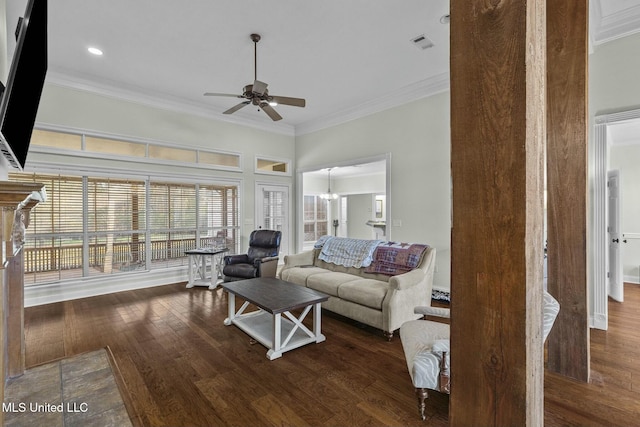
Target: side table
[(198, 266)]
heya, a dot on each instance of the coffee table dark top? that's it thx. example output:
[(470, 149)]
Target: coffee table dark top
[(274, 295)]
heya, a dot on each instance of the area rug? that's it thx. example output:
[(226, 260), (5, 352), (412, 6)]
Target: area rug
[(83, 390)]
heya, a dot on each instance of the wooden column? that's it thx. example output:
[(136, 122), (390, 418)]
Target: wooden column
[(567, 49), (497, 152)]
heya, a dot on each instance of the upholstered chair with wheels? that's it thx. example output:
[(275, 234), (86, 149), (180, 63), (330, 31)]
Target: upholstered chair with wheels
[(261, 260), (426, 348)]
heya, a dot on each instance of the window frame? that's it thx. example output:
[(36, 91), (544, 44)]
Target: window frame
[(84, 154)]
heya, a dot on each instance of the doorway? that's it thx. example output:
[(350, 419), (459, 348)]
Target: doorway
[(611, 130), (353, 187), (272, 211)]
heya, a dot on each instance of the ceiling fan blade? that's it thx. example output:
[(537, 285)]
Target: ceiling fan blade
[(237, 107), (285, 100), (259, 87), (271, 112), (222, 94)]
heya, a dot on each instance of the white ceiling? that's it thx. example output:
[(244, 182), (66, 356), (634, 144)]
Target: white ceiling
[(346, 58)]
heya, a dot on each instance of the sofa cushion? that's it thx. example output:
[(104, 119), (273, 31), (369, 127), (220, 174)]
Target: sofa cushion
[(329, 282), (299, 275), (367, 292)]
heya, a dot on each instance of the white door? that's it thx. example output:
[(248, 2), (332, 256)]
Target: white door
[(343, 226), (616, 286), (272, 212)]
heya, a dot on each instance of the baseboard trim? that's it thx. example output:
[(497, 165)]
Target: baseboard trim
[(94, 286)]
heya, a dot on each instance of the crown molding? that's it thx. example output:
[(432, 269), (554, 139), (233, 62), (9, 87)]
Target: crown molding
[(160, 101), (421, 89), (611, 27), (412, 92)]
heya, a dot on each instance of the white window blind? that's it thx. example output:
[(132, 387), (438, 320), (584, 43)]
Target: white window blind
[(53, 248), (92, 226), (115, 225), (218, 216), (172, 218)]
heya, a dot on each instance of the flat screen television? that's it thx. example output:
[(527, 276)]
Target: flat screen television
[(21, 95)]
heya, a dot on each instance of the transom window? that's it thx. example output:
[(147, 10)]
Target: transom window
[(149, 151)]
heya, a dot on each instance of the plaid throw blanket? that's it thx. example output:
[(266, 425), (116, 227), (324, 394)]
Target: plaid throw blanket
[(348, 252), (394, 258)]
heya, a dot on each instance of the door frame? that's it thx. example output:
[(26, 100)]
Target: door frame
[(599, 238), (299, 215), (616, 279), (288, 237)]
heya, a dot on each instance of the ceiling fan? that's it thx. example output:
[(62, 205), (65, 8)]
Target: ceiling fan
[(257, 93)]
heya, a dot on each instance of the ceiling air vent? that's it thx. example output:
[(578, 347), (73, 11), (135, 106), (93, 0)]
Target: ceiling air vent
[(422, 42)]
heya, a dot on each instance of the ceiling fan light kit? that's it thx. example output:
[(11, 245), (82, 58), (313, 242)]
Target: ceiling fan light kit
[(257, 93)]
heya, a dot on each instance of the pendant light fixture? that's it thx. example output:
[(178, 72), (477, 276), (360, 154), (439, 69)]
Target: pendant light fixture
[(329, 195)]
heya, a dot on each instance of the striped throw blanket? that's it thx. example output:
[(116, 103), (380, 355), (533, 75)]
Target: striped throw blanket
[(348, 252), (394, 258)]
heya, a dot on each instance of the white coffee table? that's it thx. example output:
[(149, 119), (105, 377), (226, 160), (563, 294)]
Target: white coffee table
[(275, 298)]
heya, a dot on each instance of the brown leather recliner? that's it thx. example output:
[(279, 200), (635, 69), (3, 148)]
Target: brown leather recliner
[(261, 260)]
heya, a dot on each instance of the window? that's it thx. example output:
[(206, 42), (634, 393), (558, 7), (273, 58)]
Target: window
[(172, 154), (53, 249), (316, 219), (273, 166), (116, 225), (66, 141), (90, 146), (92, 226), (218, 218), (112, 146)]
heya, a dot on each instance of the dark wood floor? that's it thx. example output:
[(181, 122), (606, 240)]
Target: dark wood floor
[(612, 398), (183, 367)]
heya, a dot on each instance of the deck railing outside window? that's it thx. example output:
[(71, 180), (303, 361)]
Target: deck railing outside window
[(93, 226)]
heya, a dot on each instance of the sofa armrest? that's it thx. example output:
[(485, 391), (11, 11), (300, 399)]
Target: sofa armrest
[(303, 258), (267, 267), (433, 311), (407, 280)]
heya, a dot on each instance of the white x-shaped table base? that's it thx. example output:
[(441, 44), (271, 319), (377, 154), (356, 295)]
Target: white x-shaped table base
[(269, 329)]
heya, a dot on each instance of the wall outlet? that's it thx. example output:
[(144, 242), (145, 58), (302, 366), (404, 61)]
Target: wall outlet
[(397, 223)]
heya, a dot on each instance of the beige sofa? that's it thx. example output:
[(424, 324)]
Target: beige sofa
[(378, 300)]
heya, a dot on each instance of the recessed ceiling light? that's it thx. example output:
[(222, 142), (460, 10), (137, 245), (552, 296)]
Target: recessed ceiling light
[(445, 19), (95, 51)]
